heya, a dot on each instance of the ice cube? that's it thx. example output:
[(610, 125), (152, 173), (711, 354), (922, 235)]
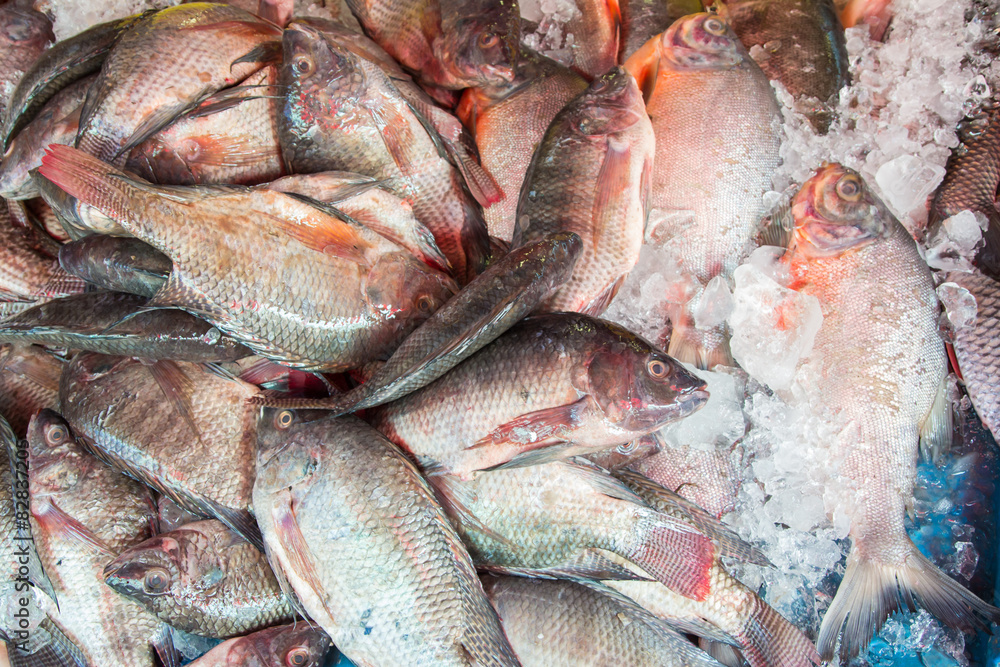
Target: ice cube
[(715, 304), (907, 181), (959, 304), (719, 423), (964, 229)]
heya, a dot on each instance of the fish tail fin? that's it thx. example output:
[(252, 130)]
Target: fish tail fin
[(89, 179), (872, 590), (703, 349), (677, 556), (767, 639)]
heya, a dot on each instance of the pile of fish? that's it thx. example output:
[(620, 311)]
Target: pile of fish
[(302, 343)]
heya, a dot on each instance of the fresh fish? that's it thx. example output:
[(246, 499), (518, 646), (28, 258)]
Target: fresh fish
[(28, 267), (232, 137), (115, 323), (564, 519), (24, 35), (82, 514), (181, 429), (201, 578), (644, 19), (56, 123), (451, 44), (166, 64), (970, 182), (509, 121), (335, 296), (29, 382), (343, 112), (359, 536), (373, 205), (977, 347), (67, 61), (563, 623), (878, 364), (801, 45), (489, 305), (119, 264), (717, 128), (596, 34), (550, 387), (591, 175), (298, 645)]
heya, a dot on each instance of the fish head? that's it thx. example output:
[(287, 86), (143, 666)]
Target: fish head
[(287, 444), (21, 27), (298, 645), (640, 388), (56, 459), (701, 41), (405, 291), (611, 104), (151, 571), (318, 73), (835, 211), (483, 50)]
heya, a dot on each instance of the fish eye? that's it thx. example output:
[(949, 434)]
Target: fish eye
[(715, 26), (488, 40), (849, 187), (297, 657), (303, 65), (55, 434), (628, 447), (284, 419), (657, 368), (424, 305), (155, 581)]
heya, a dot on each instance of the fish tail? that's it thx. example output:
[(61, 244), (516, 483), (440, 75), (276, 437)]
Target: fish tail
[(872, 590), (89, 179), (677, 556), (767, 639), (703, 349)]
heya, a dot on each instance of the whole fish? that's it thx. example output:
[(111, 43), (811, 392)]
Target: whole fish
[(878, 363), (977, 349), (82, 514), (596, 30), (564, 519), (29, 382), (971, 179), (450, 44), (67, 61), (175, 426), (335, 295), (28, 267), (115, 323), (591, 175), (56, 123), (644, 19), (24, 35), (297, 645), (165, 64), (232, 137), (119, 264), (564, 623), (343, 112), (358, 534), (494, 301), (717, 128), (201, 578), (373, 205), (508, 122), (802, 45), (552, 386)]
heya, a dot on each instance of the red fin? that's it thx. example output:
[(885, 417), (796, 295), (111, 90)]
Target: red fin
[(612, 182), (644, 65), (678, 557), (396, 136), (54, 520), (89, 179), (325, 234), (536, 429)]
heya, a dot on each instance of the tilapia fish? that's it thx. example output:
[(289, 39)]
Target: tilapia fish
[(119, 264), (232, 137), (565, 624), (591, 175), (83, 514), (343, 112), (115, 323), (970, 182), (333, 295), (174, 425), (166, 64), (355, 530), (509, 121), (298, 645), (565, 519), (201, 578), (28, 267), (802, 45), (24, 35), (644, 19), (878, 364), (717, 128), (450, 44), (552, 386), (29, 381), (977, 348), (56, 123)]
